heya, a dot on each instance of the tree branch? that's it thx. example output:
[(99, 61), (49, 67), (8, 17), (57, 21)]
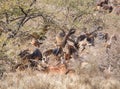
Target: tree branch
[(22, 10), (33, 2), (7, 17)]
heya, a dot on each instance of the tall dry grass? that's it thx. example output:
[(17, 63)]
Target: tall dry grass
[(36, 80)]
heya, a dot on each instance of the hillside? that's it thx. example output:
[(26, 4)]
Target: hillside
[(90, 61)]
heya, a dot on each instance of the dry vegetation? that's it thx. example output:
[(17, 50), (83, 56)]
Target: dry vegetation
[(95, 68)]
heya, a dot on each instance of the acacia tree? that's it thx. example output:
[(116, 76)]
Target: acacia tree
[(24, 10), (15, 9)]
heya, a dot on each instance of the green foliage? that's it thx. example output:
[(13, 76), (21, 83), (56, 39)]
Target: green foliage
[(12, 7)]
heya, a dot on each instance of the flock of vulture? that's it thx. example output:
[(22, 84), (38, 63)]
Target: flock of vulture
[(109, 5), (68, 47)]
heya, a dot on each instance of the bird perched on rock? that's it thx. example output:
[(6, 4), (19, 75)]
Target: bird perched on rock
[(62, 37), (55, 52), (102, 2), (59, 38), (70, 52), (36, 54)]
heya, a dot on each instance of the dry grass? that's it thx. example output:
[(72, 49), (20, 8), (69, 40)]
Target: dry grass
[(88, 74), (36, 80)]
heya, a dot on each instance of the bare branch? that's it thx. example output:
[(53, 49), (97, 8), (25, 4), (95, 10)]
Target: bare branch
[(33, 2), (22, 20), (79, 16), (7, 17), (16, 18), (22, 10)]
